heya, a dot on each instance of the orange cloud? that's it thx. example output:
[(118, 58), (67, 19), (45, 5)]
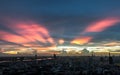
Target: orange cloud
[(12, 37), (34, 32), (81, 40), (28, 32), (10, 52), (44, 49), (98, 26), (61, 41), (101, 25)]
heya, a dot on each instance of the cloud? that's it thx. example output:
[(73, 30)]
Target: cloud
[(7, 36), (81, 40), (27, 32), (113, 43), (61, 41), (95, 27), (101, 25)]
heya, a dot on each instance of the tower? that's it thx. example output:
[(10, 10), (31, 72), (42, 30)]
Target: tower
[(110, 59), (54, 56)]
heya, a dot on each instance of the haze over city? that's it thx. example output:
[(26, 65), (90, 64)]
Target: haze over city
[(49, 26)]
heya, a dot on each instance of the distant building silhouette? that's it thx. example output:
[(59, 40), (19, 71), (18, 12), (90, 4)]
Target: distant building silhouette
[(63, 52), (54, 56), (110, 59), (35, 54), (85, 51)]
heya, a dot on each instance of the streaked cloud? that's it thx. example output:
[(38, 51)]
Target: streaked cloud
[(101, 25), (26, 32), (7, 36), (98, 26), (113, 43)]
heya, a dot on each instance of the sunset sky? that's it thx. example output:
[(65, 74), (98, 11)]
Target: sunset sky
[(50, 23)]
